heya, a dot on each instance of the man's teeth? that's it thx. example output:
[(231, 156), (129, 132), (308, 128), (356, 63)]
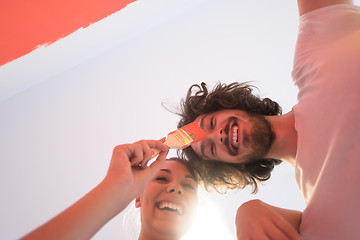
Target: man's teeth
[(235, 135), (171, 206)]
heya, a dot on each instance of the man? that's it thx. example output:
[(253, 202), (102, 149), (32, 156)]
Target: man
[(248, 135)]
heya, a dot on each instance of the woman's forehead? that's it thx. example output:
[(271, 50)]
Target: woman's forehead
[(175, 167)]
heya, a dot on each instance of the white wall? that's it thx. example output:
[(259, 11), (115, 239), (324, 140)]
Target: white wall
[(56, 137)]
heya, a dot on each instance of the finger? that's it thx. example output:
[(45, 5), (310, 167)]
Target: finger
[(155, 148), (158, 145), (122, 153), (137, 154), (158, 163), (119, 163), (142, 151), (122, 148), (147, 153), (143, 163)]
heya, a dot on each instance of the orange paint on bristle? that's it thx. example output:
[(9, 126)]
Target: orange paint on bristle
[(183, 137), (195, 131)]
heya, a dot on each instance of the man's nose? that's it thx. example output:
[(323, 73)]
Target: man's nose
[(218, 135)]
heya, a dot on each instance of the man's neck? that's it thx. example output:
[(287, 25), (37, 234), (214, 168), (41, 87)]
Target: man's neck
[(285, 142)]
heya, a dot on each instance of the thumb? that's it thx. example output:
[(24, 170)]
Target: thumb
[(158, 163)]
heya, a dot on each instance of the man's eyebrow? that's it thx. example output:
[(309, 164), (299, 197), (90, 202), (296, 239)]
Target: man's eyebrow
[(202, 121), (202, 148), (165, 170)]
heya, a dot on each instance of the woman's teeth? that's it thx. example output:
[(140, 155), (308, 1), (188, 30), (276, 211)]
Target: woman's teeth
[(171, 207)]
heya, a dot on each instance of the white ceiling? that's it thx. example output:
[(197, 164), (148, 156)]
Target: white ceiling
[(84, 44)]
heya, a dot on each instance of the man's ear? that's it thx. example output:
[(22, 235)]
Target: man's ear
[(138, 201)]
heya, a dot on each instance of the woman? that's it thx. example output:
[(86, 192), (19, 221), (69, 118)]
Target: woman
[(168, 202), (165, 191)]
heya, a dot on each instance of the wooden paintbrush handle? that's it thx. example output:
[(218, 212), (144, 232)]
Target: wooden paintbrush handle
[(154, 152)]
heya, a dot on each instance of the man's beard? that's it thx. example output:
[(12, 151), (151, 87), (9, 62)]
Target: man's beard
[(261, 138)]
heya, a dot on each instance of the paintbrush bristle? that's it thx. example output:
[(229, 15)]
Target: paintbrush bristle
[(195, 131), (185, 136)]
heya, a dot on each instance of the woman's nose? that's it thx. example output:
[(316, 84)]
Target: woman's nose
[(175, 188)]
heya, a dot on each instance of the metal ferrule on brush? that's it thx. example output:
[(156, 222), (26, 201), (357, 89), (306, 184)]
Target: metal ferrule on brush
[(184, 137)]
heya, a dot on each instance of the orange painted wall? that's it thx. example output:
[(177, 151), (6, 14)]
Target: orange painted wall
[(24, 24)]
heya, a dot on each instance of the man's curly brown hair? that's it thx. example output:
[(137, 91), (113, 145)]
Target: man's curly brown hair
[(221, 175)]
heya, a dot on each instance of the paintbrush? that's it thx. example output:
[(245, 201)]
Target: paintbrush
[(183, 137)]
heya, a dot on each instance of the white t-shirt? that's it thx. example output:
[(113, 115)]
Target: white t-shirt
[(327, 120)]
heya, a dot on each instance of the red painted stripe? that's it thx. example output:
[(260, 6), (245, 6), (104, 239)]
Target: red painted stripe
[(24, 24)]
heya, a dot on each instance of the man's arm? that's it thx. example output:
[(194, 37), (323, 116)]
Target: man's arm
[(306, 6), (258, 220)]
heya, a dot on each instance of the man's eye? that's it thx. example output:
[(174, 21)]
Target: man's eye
[(212, 149), (212, 122)]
